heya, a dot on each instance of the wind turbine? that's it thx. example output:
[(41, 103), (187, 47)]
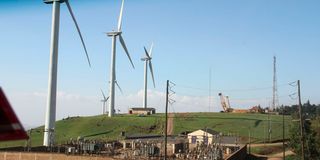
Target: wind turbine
[(113, 81), (104, 101), (147, 62), (48, 139)]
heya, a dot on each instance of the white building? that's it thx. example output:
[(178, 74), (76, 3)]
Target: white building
[(142, 111), (202, 136)]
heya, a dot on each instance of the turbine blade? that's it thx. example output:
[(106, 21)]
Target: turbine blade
[(120, 17), (116, 82), (146, 52), (151, 48), (151, 71), (119, 87), (79, 32), (104, 97), (125, 49)]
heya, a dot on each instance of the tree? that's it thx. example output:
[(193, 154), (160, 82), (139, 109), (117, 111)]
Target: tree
[(311, 149), (312, 146)]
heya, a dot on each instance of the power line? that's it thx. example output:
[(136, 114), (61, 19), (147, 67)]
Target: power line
[(293, 84), (256, 98), (171, 93), (293, 94), (229, 90)]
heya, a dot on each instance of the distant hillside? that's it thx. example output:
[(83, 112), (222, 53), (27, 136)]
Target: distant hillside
[(102, 127)]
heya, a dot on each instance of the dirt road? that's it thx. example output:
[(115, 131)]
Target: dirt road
[(280, 155), (277, 155), (170, 124), (45, 156), (266, 144)]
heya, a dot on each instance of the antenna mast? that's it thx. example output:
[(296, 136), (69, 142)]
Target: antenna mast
[(275, 100)]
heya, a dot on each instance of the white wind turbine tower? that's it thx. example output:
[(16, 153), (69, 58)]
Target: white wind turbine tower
[(147, 62), (113, 81), (104, 101), (48, 139)]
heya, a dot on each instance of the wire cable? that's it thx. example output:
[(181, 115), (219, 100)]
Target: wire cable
[(229, 90)]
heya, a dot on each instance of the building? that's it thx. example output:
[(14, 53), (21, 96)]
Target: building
[(142, 111), (202, 136), (256, 109), (240, 111)]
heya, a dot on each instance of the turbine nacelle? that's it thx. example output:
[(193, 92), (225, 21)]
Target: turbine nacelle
[(146, 59), (114, 33), (51, 1)]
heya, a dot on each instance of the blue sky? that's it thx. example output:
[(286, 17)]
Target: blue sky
[(236, 39)]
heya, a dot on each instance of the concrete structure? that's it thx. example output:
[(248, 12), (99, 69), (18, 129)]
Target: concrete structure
[(229, 144), (155, 143), (142, 111), (202, 136), (229, 141)]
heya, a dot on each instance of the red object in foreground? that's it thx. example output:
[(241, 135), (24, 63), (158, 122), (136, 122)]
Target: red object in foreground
[(10, 126)]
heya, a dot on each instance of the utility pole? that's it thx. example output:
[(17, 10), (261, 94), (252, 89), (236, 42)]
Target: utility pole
[(283, 133), (249, 141), (269, 126), (166, 125), (29, 144), (264, 134), (301, 122), (210, 89)]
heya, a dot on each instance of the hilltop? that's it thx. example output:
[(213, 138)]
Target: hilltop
[(105, 128)]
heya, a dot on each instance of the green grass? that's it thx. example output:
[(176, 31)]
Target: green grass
[(292, 157), (238, 124), (102, 127)]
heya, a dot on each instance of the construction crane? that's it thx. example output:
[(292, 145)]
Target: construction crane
[(225, 103), (228, 102)]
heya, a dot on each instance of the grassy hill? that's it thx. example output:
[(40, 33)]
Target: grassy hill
[(102, 127), (238, 124)]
